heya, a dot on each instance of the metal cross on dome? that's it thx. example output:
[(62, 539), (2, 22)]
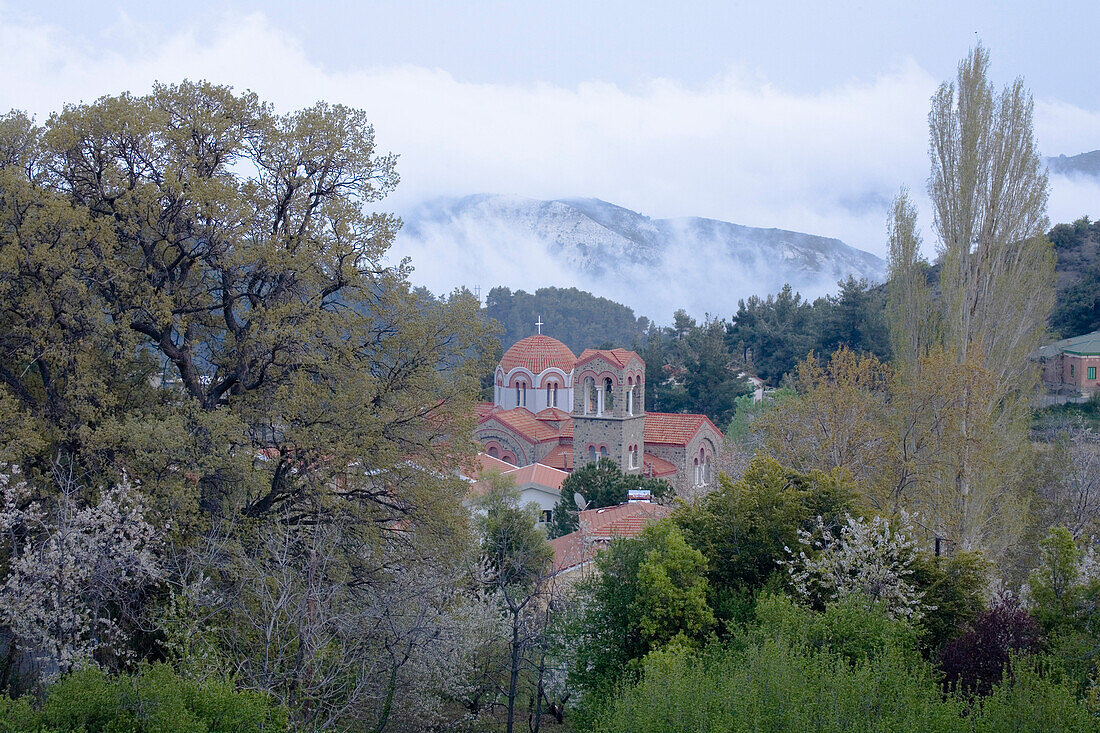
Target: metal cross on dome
[(539, 324)]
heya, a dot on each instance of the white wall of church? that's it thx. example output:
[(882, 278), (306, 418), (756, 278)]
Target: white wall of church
[(520, 388)]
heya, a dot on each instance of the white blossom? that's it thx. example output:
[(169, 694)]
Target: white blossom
[(863, 557), (74, 569)]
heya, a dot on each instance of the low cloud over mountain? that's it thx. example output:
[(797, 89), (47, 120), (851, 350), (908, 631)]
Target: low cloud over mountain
[(653, 265)]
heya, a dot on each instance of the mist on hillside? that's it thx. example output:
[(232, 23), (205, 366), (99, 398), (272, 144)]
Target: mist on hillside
[(652, 266)]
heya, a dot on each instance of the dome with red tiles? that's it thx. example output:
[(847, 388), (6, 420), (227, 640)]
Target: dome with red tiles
[(537, 354)]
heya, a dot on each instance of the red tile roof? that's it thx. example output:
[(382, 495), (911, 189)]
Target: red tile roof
[(553, 414), (483, 410), (520, 420), (621, 357), (560, 458), (658, 467), (674, 429), (600, 526), (538, 353), (487, 463), (624, 520), (569, 551), (538, 473)]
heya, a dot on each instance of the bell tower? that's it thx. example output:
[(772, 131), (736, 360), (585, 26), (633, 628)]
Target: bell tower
[(608, 408)]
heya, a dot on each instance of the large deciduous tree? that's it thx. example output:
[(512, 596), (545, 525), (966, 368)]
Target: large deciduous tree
[(194, 239), (195, 293)]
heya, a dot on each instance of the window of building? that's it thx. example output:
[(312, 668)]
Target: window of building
[(555, 394), (1091, 373), (493, 452), (609, 395), (603, 451), (1071, 371), (592, 453), (547, 514)]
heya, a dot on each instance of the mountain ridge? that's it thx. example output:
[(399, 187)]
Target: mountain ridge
[(653, 265)]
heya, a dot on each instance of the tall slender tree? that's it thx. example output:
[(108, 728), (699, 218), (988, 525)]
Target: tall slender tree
[(989, 194)]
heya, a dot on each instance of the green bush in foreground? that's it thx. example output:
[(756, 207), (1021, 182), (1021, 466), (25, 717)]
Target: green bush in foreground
[(792, 673), (154, 699)]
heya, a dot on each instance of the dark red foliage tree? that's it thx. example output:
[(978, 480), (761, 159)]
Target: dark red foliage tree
[(977, 659)]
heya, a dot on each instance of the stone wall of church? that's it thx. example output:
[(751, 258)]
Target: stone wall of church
[(493, 434), (591, 434)]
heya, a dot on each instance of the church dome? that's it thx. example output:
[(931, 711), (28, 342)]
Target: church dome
[(537, 354)]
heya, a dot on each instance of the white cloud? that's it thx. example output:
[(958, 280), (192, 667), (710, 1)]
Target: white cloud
[(736, 148)]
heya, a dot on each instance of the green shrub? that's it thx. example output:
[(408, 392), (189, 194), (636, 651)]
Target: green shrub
[(155, 699), (850, 668)]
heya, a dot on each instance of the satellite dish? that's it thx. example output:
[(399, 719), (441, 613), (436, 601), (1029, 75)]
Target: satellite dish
[(581, 503)]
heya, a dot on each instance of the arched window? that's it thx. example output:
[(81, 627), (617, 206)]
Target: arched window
[(630, 457), (548, 402), (603, 451), (494, 452), (517, 395), (592, 453), (589, 395), (608, 394), (630, 396), (524, 385), (707, 476), (555, 394)]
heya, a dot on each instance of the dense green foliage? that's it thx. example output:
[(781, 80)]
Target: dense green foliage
[(649, 592), (578, 319), (154, 700), (601, 484), (848, 669), (744, 527), (1077, 247), (772, 334)]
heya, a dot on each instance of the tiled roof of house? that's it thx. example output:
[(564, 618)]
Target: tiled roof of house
[(658, 467), (1086, 345), (487, 463), (538, 353), (620, 357), (535, 473), (624, 520), (538, 473), (599, 526), (674, 429), (569, 551), (521, 421), (560, 458), (484, 409)]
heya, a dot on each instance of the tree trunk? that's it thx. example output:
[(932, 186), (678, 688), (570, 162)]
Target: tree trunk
[(513, 677)]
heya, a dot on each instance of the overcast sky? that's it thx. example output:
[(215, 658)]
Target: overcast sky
[(800, 115)]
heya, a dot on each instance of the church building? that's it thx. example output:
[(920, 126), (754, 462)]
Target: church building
[(560, 410)]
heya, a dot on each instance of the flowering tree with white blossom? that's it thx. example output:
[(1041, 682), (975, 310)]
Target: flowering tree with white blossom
[(860, 557), (75, 569)]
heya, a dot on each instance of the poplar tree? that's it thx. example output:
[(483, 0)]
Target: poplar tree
[(969, 351), (909, 298), (989, 194)]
